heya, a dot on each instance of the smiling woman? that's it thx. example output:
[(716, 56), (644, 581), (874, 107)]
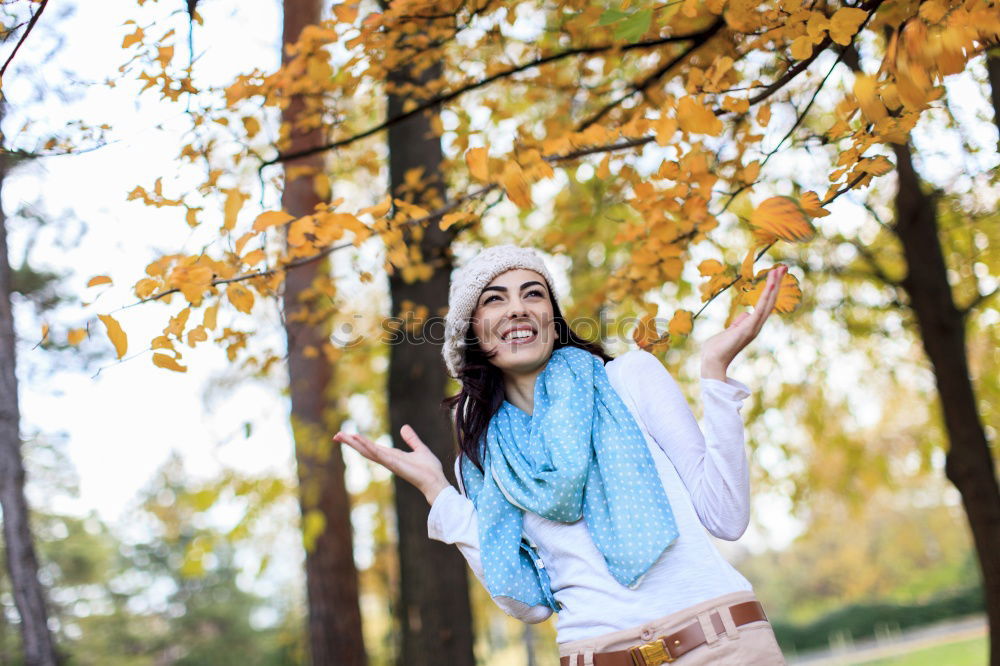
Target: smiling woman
[(586, 487)]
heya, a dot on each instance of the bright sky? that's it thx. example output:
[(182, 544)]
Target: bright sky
[(123, 423)]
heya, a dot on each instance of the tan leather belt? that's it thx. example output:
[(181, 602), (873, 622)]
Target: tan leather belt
[(670, 647)]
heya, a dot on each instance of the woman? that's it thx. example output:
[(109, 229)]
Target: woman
[(585, 484)]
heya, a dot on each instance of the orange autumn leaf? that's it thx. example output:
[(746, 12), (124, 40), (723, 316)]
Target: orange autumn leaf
[(168, 362), (868, 99), (477, 160), (516, 185), (696, 118), (271, 218), (76, 336), (240, 297), (98, 279), (844, 23), (710, 267), (116, 334), (232, 206), (681, 323), (784, 217), (876, 166), (811, 205), (789, 294)]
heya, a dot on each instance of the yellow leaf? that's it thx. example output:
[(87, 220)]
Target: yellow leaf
[(234, 202), (868, 99), (378, 210), (789, 294), (802, 47), (253, 257), (764, 115), (696, 118), (211, 314), (196, 335), (145, 287), (876, 166), (271, 218), (345, 13), (251, 125), (783, 217), (167, 361), (134, 38), (115, 332), (844, 23), (321, 186), (477, 160), (242, 240), (76, 336), (516, 185), (811, 205), (451, 219), (665, 128), (98, 279), (45, 333), (680, 323), (746, 268), (240, 297), (710, 267)]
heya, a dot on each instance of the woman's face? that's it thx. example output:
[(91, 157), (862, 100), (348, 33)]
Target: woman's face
[(514, 316)]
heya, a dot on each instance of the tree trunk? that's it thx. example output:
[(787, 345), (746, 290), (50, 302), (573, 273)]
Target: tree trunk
[(22, 565), (335, 636), (993, 73), (969, 464), (434, 609)]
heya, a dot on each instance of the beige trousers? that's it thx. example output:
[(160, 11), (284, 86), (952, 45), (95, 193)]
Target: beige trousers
[(752, 644)]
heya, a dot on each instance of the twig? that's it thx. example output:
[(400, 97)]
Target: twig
[(31, 24)]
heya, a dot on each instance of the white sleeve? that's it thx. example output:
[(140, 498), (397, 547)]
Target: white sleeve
[(452, 519), (713, 465)]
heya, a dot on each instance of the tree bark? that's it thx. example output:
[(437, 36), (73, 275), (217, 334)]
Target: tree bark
[(969, 464), (434, 610), (22, 564), (335, 636)]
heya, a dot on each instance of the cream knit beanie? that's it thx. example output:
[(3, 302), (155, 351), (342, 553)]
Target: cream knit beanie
[(468, 283)]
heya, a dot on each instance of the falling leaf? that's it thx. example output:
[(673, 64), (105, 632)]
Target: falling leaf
[(98, 279), (681, 323), (116, 334), (478, 161), (516, 185), (167, 361), (76, 336), (783, 217), (868, 100)]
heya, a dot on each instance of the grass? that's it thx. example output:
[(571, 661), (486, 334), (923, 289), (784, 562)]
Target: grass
[(966, 652)]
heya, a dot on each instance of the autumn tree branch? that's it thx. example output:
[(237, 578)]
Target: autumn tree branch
[(31, 24), (698, 40), (447, 97)]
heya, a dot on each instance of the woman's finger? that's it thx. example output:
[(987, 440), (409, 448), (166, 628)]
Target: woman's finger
[(411, 438)]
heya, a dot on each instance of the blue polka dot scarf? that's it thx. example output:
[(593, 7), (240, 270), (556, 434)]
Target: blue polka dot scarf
[(580, 454)]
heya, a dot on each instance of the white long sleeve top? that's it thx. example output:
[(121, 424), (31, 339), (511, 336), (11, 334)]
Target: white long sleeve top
[(707, 481)]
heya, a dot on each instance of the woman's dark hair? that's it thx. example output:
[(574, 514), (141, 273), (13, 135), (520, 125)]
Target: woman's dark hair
[(482, 390)]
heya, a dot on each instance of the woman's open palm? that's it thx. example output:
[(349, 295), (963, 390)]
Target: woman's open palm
[(722, 348), (419, 466)]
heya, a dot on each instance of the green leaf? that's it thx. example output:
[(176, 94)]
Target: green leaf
[(635, 26), (611, 16)]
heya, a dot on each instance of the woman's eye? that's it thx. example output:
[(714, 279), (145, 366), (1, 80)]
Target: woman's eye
[(489, 299), (535, 291)]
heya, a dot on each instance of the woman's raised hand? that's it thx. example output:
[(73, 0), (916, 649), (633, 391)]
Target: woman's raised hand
[(719, 350), (419, 466)]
